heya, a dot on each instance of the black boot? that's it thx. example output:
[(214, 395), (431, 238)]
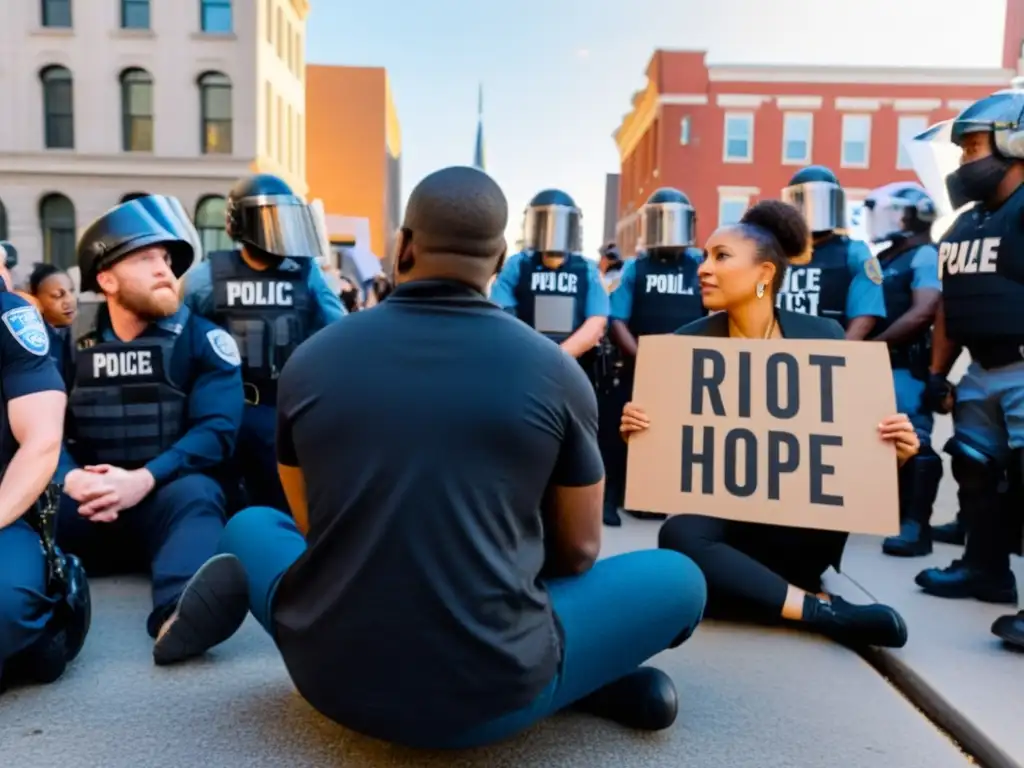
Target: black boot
[(610, 516), (645, 699), (919, 485), (962, 580), (42, 662), (855, 626), (950, 533), (1010, 629)]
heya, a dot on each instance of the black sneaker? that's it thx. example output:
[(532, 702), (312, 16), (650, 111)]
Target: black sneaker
[(1010, 629), (645, 699), (856, 626), (212, 607)]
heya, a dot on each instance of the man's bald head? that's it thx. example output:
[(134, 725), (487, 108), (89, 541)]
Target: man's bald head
[(459, 211)]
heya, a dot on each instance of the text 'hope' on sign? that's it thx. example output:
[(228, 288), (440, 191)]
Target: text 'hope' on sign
[(782, 432)]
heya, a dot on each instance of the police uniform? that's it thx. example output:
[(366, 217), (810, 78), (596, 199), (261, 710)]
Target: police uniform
[(658, 292), (268, 312), (842, 280), (902, 214), (550, 285), (169, 401), (981, 262), (41, 628)]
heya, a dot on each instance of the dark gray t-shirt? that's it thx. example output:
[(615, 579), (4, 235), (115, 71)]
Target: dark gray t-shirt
[(428, 430)]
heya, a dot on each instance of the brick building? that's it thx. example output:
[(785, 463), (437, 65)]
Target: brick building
[(730, 135)]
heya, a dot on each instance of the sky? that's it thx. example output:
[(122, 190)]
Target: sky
[(558, 75)]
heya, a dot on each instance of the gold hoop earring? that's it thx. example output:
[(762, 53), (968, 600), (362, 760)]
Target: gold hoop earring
[(760, 290)]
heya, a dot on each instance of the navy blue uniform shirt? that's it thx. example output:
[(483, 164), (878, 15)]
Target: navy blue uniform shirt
[(418, 608)]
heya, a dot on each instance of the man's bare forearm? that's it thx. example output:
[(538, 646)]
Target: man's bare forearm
[(26, 477)]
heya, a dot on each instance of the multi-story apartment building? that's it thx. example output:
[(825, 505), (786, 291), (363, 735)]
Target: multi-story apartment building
[(730, 135), (106, 99)]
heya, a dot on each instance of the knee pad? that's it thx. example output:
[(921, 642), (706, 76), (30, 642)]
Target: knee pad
[(74, 609)]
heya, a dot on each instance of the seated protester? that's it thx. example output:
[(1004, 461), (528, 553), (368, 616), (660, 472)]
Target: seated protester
[(153, 413), (446, 593), (756, 571), (35, 640), (53, 293)]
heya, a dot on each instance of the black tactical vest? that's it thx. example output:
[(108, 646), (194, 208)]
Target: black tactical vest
[(125, 407), (553, 301), (666, 294), (981, 262), (820, 287), (897, 286), (267, 313)]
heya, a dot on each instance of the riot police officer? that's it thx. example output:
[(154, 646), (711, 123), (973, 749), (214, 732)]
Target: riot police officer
[(902, 215), (44, 597), (550, 285), (841, 279), (270, 295), (658, 292), (153, 414), (981, 262)]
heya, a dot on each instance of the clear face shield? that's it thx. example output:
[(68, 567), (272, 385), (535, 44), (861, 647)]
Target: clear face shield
[(822, 204), (282, 225), (934, 156), (667, 225), (553, 229)]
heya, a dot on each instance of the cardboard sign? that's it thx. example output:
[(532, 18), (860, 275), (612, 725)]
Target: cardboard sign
[(782, 432)]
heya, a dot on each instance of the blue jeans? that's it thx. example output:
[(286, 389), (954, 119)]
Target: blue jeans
[(615, 617)]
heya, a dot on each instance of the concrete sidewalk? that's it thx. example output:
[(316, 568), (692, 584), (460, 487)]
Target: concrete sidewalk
[(750, 698)]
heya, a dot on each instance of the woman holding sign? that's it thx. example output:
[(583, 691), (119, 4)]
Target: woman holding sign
[(758, 571)]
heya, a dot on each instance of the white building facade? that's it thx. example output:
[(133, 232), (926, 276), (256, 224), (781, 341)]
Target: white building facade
[(101, 100)]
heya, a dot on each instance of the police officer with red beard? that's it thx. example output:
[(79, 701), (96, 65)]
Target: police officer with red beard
[(154, 410)]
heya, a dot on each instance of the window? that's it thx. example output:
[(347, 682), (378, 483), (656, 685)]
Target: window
[(280, 130), (211, 224), (731, 210), (269, 21), (797, 132), (684, 131), (279, 30), (57, 223), (269, 97), (856, 141), (290, 44), (298, 57), (56, 13), (136, 111), (290, 139), (215, 16), (134, 196), (134, 14), (58, 108), (739, 137), (215, 107), (909, 127), (3, 221)]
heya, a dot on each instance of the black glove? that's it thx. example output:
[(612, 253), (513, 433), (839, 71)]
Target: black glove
[(936, 390)]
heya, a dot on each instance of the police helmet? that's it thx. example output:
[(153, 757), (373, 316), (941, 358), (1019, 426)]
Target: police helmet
[(667, 220), (1001, 114), (264, 213), (8, 254), (898, 210), (817, 194), (132, 226), (553, 223)]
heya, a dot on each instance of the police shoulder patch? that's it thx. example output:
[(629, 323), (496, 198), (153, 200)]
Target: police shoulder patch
[(873, 270), (224, 346), (28, 329)]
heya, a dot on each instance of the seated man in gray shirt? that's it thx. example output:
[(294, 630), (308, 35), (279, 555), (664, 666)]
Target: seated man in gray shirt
[(439, 586)]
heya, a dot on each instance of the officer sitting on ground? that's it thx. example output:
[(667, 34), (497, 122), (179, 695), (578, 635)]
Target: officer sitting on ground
[(841, 279), (153, 413), (658, 293), (40, 629), (550, 285), (271, 296), (981, 263), (902, 215)]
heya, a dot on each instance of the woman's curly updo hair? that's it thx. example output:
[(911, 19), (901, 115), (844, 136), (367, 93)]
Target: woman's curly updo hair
[(780, 234)]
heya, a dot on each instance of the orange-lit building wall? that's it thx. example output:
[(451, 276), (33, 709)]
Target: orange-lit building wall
[(353, 148)]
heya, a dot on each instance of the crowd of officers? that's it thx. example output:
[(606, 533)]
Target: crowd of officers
[(166, 406)]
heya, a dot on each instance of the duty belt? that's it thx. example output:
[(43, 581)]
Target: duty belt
[(260, 393)]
